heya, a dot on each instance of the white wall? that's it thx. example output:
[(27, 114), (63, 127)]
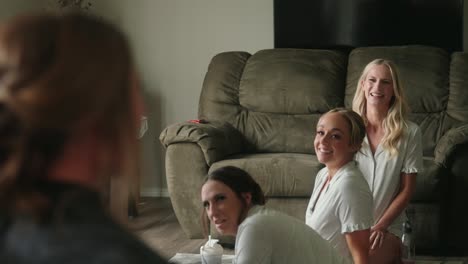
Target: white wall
[(10, 8), (174, 41)]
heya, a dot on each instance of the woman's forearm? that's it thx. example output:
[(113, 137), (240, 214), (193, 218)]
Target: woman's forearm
[(361, 257), (358, 244), (401, 201)]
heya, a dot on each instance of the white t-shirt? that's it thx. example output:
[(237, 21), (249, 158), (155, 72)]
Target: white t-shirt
[(270, 237), (344, 206), (383, 172)]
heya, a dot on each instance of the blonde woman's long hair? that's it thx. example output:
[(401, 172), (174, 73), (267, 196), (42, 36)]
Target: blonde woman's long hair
[(394, 123)]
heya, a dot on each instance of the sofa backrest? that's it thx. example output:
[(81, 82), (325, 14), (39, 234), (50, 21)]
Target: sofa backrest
[(275, 97), (457, 104)]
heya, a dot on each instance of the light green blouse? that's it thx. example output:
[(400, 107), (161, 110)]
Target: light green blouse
[(270, 237)]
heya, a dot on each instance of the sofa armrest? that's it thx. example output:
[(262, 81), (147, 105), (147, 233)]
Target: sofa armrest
[(216, 139), (449, 142)]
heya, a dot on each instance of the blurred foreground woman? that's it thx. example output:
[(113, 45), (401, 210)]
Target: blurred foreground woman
[(69, 112)]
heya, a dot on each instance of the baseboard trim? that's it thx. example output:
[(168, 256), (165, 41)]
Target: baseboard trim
[(154, 192)]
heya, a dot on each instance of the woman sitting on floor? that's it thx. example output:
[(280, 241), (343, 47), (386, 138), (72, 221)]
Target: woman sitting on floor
[(233, 203), (340, 208)]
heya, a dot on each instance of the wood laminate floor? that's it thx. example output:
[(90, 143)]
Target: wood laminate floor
[(157, 225)]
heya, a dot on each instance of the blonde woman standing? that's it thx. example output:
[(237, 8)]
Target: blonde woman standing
[(390, 157)]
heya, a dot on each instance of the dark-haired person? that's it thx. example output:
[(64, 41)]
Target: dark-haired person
[(69, 113), (340, 208), (234, 204), (390, 157)]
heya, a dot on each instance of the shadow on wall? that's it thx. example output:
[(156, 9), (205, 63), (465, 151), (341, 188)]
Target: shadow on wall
[(152, 182)]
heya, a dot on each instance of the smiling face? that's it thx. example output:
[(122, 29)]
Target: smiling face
[(378, 86), (332, 141), (223, 207)]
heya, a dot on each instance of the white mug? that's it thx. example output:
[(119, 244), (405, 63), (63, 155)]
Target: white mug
[(211, 252), (211, 258)]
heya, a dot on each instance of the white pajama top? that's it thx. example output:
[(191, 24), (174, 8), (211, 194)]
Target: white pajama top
[(269, 237), (382, 172), (344, 206)]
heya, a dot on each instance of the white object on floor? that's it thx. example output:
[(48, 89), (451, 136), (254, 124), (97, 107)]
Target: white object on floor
[(187, 258), (211, 252)]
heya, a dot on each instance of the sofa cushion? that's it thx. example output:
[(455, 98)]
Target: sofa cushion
[(216, 139), (219, 98), (293, 175), (425, 220), (280, 174), (274, 97), (292, 81), (278, 133), (457, 107), (428, 182)]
